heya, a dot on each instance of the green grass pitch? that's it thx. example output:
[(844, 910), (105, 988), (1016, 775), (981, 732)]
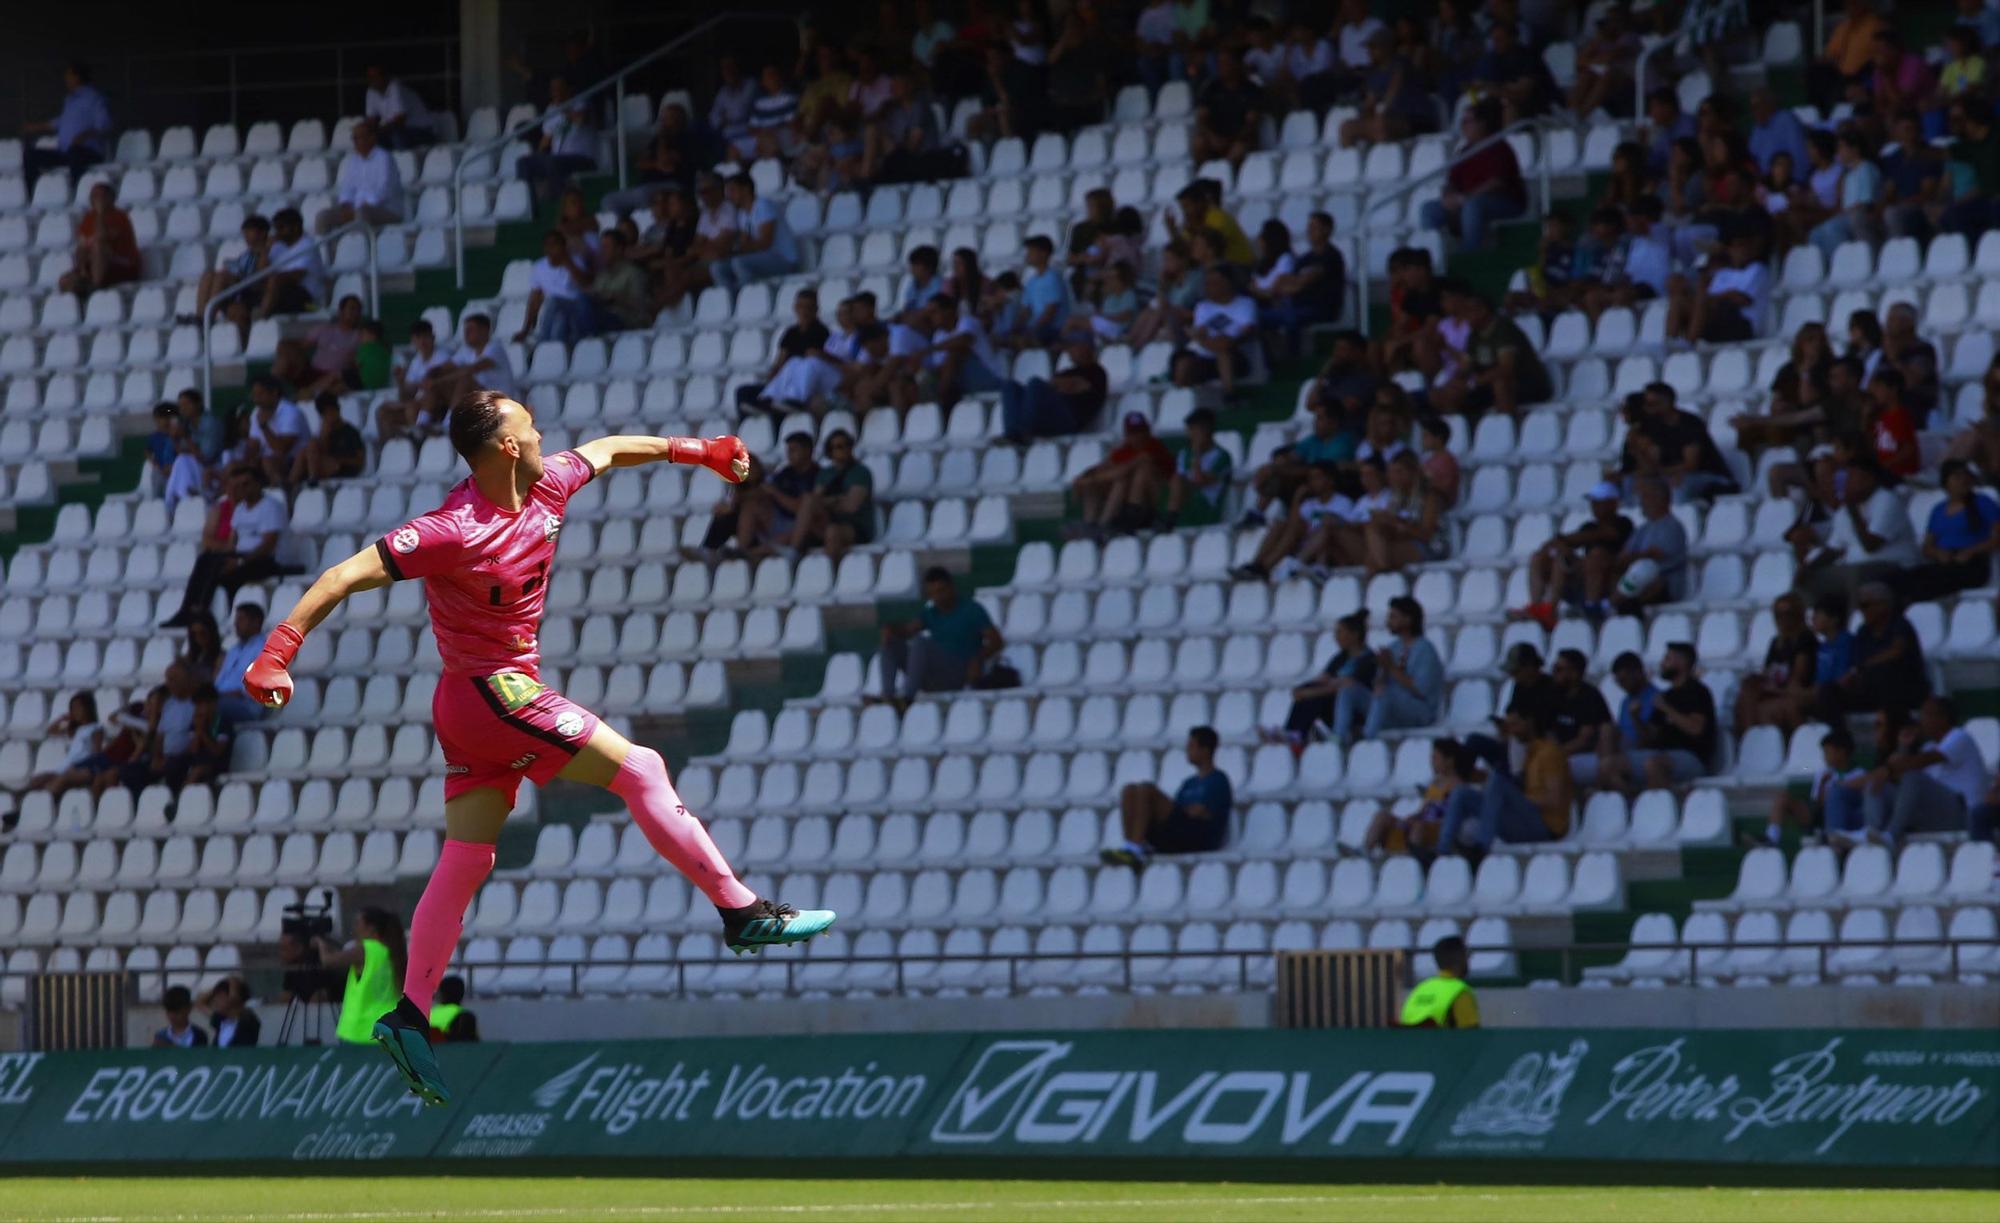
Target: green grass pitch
[(508, 1199)]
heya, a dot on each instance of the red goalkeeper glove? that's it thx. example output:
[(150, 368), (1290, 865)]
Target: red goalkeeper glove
[(265, 681), (726, 456)]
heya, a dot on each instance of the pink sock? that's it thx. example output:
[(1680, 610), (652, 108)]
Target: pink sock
[(434, 928), (680, 838)]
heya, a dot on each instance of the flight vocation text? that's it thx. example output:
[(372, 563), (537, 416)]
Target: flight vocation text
[(1660, 1082)]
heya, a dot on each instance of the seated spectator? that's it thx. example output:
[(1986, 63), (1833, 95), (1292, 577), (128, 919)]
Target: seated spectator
[(1120, 492), (1116, 307), (1860, 190), (1044, 293), (275, 431), (1915, 181), (373, 358), (1625, 734), (1641, 268), (1320, 528), (1202, 471), (450, 1021), (1417, 833), (417, 407), (1227, 113), (840, 513), (168, 733), (334, 452), (180, 1033), (1482, 188), (1225, 320), (1277, 485), (1171, 312), (730, 530), (1407, 531), (1891, 426), (1832, 810), (619, 297), (557, 308), (1605, 62), (1200, 209), (1677, 448), (82, 129), (1728, 306), (236, 1025), (218, 280), (1065, 403), (802, 374), (567, 145), (1533, 693), (1652, 566), (1934, 782), (1550, 286), (729, 113), (335, 345), (87, 757), (179, 474), (771, 516), (1885, 662), (1782, 693), (1536, 808), (903, 144), (1913, 357), (1580, 717), (961, 360), (1194, 821), (205, 755), (1979, 443), (398, 114), (480, 364), (923, 284), (1409, 682), (250, 554), (945, 648), (1501, 372), (1394, 104), (1576, 567), (1439, 464), (1960, 539), (232, 702), (204, 648), (1352, 666), (369, 187), (774, 115), (762, 246), (1870, 538), (299, 282), (107, 251), (1797, 403), (665, 165), (1677, 741), (1513, 72)]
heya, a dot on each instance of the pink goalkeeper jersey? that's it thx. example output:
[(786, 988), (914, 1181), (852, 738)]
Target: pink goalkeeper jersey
[(486, 571)]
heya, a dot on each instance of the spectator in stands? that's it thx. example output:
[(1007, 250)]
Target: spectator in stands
[(1065, 403), (1960, 539), (1352, 666), (771, 516), (1227, 113), (1120, 492), (1870, 538), (181, 1032), (619, 297), (107, 252), (1975, 207), (1201, 470), (1501, 371), (1536, 808), (369, 187), (945, 648), (1891, 426), (762, 246), (168, 734), (1513, 72), (1667, 125), (1482, 188), (231, 701), (1417, 832), (1934, 781), (164, 458), (1782, 693), (1833, 806), (1625, 734), (840, 513), (1170, 313), (567, 145), (1409, 681), (1652, 567), (1678, 448), (1860, 188), (1580, 716), (1796, 404), (236, 1026), (82, 129), (1979, 443), (1575, 567), (1845, 60), (960, 358), (298, 281), (450, 1021), (1194, 821), (774, 115), (415, 407), (1912, 356), (1043, 291), (1225, 321), (1320, 527), (669, 157), (480, 364), (274, 432), (729, 112), (335, 451), (803, 374), (1915, 185), (1406, 531), (1677, 740), (902, 145), (1277, 485), (398, 114), (1394, 104), (1728, 306), (334, 345), (730, 530), (204, 648), (206, 752), (86, 758), (1605, 62), (1533, 692), (714, 240), (216, 281), (1200, 208), (257, 529), (557, 308), (1885, 661)]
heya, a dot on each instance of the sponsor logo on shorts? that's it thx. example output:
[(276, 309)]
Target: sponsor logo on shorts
[(457, 770), (551, 523), (513, 689), (569, 723), (405, 540), (522, 762)]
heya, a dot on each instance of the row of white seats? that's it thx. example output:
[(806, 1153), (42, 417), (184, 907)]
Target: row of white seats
[(1805, 948), (77, 917), (1869, 875), (184, 966)]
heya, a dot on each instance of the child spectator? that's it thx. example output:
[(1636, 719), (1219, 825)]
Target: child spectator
[(1832, 808), (372, 358), (1202, 469)]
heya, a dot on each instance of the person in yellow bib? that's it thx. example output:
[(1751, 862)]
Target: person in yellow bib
[(1445, 1000), (374, 964)]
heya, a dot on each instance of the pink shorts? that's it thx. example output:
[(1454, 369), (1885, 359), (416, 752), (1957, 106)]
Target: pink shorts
[(497, 729)]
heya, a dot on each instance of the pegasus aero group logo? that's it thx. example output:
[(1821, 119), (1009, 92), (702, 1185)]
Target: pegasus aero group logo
[(569, 723), (405, 540), (1527, 1099)]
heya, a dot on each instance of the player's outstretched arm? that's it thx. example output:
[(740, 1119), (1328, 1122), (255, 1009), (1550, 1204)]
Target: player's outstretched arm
[(726, 456), (267, 681)]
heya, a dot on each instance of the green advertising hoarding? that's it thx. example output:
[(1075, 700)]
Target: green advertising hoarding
[(1780, 1098)]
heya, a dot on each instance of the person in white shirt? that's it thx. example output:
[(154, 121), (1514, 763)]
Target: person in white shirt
[(275, 429), (959, 353), (568, 146), (480, 364), (400, 117), (419, 404), (1729, 309), (762, 246), (1356, 26), (1223, 318), (299, 281), (257, 526), (1870, 540), (557, 308), (1934, 781), (370, 187)]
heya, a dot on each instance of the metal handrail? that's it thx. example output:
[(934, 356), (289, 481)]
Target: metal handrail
[(1371, 202), (215, 303), (615, 83)]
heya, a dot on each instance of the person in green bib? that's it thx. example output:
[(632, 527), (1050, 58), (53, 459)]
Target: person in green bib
[(1445, 1000), (374, 964)]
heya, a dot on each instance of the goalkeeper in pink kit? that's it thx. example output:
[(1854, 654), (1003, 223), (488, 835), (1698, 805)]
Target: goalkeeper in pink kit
[(485, 555)]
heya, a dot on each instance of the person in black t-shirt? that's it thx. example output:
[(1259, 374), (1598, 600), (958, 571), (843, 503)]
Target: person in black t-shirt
[(1581, 713), (1678, 740), (1064, 403), (1314, 291), (1227, 113), (1781, 694), (1535, 695), (1888, 671), (806, 337), (1575, 567), (1679, 449), (334, 452), (771, 515)]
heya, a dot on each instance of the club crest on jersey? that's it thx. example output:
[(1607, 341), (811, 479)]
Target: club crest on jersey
[(406, 540), (569, 723), (551, 523)]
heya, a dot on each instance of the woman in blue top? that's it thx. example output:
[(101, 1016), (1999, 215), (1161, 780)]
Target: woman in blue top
[(1959, 541)]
